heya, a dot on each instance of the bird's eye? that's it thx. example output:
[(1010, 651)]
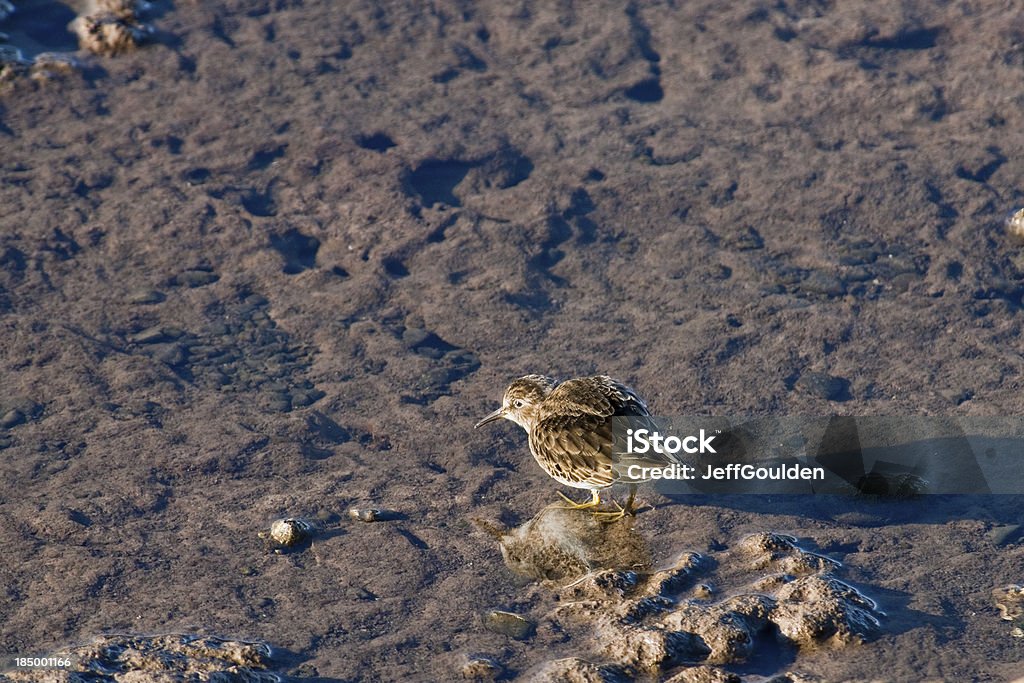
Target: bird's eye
[(518, 403)]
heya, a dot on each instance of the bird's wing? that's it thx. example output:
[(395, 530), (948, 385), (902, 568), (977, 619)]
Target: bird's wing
[(574, 428), (575, 447), (600, 396)]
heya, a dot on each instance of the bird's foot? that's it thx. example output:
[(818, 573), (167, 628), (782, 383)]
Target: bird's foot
[(573, 505), (609, 516)]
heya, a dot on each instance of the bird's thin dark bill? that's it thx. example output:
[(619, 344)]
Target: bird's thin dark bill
[(496, 415)]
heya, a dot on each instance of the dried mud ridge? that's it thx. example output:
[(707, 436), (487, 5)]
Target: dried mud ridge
[(764, 599), (159, 658)]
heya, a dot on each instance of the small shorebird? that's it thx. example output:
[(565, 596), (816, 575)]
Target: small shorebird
[(570, 432)]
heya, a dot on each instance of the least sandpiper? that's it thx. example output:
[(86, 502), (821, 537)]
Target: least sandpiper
[(570, 431)]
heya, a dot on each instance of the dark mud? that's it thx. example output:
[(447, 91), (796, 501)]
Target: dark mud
[(277, 262)]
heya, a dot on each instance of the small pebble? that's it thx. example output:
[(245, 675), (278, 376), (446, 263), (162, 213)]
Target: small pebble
[(1015, 224), (289, 532), (12, 418), (146, 296), (508, 624), (481, 668), (370, 514)]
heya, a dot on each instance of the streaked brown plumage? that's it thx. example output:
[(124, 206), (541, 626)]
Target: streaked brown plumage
[(570, 430)]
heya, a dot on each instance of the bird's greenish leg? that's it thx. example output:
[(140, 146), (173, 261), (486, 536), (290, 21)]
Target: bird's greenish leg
[(631, 501), (594, 501), (611, 516)]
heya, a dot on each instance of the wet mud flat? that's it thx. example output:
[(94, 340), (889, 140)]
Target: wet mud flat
[(569, 597), (275, 262)]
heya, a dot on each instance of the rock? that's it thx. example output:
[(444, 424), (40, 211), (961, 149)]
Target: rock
[(481, 668), (508, 624), (372, 514), (290, 532), (1015, 224), (146, 296), (12, 418)]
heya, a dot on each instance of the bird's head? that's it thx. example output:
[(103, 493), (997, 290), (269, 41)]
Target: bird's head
[(522, 400)]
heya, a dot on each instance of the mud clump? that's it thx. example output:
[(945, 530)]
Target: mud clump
[(642, 621), (160, 658), (815, 609), (109, 34), (576, 670)]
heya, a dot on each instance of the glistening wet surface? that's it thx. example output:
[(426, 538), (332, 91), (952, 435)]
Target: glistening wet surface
[(276, 260), (41, 26)]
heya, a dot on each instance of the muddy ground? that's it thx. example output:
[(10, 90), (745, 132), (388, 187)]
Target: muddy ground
[(278, 261)]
